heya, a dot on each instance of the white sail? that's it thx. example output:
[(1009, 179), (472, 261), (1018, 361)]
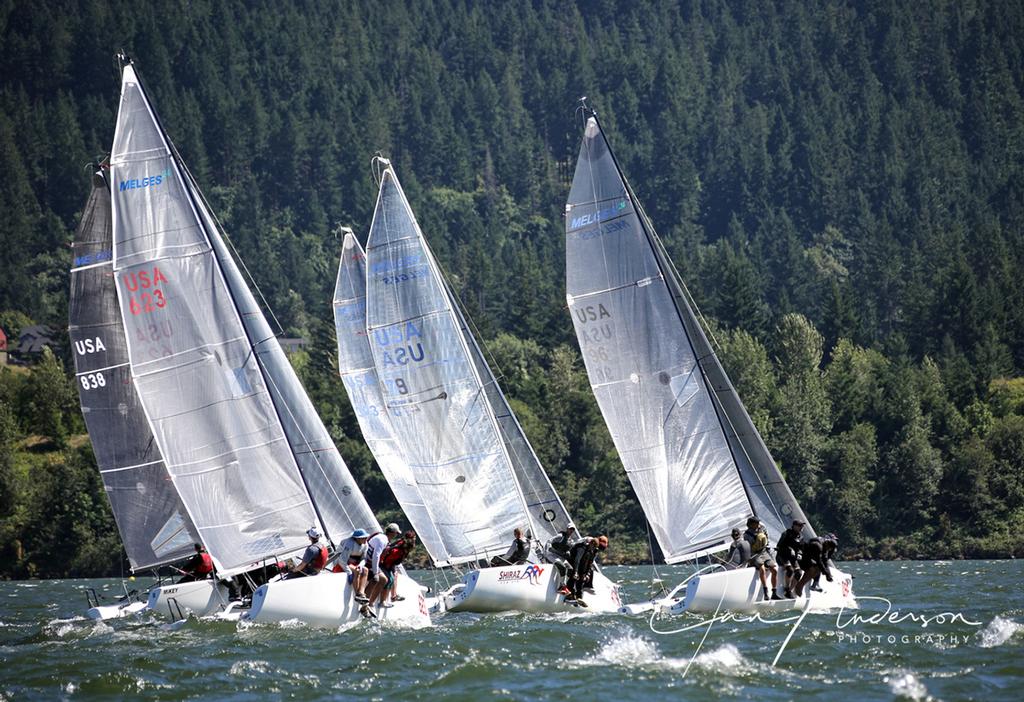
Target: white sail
[(547, 513), (358, 374), (198, 379), (436, 398), (153, 524), (339, 502), (681, 433)]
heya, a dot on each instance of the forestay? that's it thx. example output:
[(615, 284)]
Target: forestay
[(680, 430), (358, 374), (436, 399), (197, 377), (153, 524)]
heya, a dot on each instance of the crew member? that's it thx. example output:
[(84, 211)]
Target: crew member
[(375, 546), (760, 558), (581, 558), (349, 559), (814, 560), (517, 553), (391, 565), (788, 553), (197, 567), (557, 553), (314, 558), (739, 551)]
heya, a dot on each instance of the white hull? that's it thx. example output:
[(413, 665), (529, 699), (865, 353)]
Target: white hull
[(117, 611), (199, 597), (740, 591), (525, 588), (326, 600)]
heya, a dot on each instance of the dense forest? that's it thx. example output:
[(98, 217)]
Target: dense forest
[(840, 184)]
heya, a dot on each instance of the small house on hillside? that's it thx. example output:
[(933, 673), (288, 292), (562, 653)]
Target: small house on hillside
[(3, 347), (32, 342), (292, 344)]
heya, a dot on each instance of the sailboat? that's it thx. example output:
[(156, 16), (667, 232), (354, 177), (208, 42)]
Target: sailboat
[(154, 526), (437, 421), (692, 454), (248, 455)]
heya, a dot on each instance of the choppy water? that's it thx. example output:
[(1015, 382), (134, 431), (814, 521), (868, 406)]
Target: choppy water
[(48, 650)]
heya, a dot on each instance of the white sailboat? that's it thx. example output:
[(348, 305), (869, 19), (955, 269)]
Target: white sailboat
[(154, 526), (437, 422), (249, 457), (694, 458)]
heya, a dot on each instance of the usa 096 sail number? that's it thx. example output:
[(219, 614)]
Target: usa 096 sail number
[(143, 294)]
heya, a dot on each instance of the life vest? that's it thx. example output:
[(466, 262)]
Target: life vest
[(393, 555), (320, 561), (760, 543), (205, 565)]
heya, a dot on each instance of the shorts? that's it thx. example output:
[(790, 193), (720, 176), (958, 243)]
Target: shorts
[(762, 559)]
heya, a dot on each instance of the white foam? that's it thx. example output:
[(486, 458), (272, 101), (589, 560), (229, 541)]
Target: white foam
[(630, 650), (998, 632), (291, 624), (637, 652), (70, 688), (905, 685), (242, 667)]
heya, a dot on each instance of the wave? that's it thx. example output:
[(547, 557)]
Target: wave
[(635, 651), (998, 632), (905, 685)]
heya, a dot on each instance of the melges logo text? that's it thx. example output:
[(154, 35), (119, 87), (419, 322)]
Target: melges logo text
[(144, 182)]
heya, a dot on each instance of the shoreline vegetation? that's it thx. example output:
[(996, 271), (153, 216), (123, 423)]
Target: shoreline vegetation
[(841, 186)]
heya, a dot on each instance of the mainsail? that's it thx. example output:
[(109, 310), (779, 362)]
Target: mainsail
[(359, 375), (232, 422), (154, 526), (692, 454), (434, 392)]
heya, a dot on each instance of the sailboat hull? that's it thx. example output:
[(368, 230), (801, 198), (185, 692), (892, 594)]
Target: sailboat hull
[(740, 590), (200, 597), (527, 588), (326, 600)]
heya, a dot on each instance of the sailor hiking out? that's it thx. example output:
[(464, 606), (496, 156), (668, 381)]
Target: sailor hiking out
[(314, 558)]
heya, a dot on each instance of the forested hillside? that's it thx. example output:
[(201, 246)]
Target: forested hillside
[(840, 184)]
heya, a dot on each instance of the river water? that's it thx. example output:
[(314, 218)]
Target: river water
[(961, 636)]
